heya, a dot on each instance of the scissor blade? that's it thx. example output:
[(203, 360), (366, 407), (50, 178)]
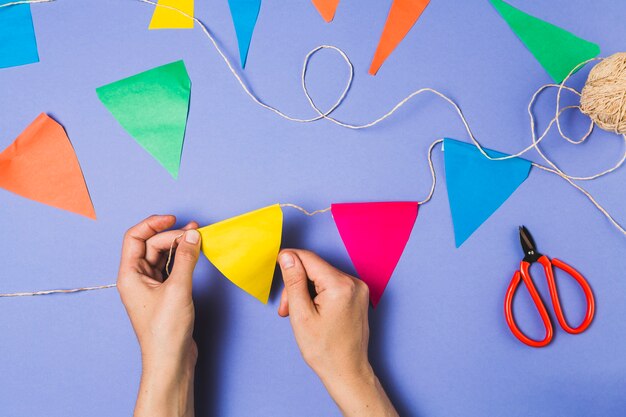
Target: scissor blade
[(528, 244)]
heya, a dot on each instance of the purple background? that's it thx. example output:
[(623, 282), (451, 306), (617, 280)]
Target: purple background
[(439, 340)]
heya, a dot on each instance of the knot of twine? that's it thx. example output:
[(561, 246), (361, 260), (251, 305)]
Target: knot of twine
[(603, 98)]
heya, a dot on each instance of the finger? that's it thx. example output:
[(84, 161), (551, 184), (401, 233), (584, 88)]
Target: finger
[(160, 244), (185, 261), (323, 274), (283, 307), (296, 283), (134, 245)]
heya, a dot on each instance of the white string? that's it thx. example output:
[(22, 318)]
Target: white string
[(308, 213), (169, 255), (48, 292), (15, 3)]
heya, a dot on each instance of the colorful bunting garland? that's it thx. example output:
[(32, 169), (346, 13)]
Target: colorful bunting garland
[(153, 105), (375, 234)]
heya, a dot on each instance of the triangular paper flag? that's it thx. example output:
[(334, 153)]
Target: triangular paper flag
[(244, 13), (41, 165), (18, 45), (326, 8), (402, 16), (477, 186), (152, 107), (557, 50), (168, 18), (245, 248), (375, 235)]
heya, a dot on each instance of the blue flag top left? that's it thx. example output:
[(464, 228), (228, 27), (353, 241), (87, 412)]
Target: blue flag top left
[(477, 185), (18, 45)]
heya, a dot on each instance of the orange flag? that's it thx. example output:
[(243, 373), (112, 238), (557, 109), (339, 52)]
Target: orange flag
[(326, 8), (402, 17), (41, 165)]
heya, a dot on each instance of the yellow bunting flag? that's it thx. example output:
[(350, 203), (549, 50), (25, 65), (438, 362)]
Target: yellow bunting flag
[(245, 248), (169, 18)]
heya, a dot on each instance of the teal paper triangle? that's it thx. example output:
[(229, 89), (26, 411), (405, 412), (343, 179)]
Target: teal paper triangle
[(244, 13), (477, 186), (152, 107), (557, 50)]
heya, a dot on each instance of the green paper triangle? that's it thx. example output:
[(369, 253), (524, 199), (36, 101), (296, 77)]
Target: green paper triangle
[(152, 107), (557, 50)]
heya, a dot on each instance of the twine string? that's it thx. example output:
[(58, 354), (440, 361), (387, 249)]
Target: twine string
[(48, 292)]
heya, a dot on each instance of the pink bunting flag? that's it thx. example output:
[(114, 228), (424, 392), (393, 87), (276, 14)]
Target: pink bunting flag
[(375, 235)]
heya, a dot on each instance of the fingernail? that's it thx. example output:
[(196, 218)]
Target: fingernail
[(192, 236), (286, 260)]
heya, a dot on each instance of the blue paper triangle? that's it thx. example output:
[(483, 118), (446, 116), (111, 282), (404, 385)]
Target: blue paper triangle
[(477, 186), (18, 45), (244, 13)]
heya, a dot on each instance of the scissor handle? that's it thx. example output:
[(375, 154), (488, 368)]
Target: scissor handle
[(524, 275), (554, 294)]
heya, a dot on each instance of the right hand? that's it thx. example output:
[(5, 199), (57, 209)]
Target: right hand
[(332, 331)]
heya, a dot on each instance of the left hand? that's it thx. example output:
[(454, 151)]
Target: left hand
[(161, 312)]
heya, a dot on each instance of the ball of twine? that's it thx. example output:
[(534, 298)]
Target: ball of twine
[(604, 95)]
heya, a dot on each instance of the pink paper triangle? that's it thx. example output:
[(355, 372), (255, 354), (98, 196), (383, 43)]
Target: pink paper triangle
[(375, 235)]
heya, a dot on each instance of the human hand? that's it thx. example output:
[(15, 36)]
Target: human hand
[(161, 312), (332, 331)]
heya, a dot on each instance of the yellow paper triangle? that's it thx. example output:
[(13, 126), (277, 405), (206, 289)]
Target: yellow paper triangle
[(166, 18), (245, 248)]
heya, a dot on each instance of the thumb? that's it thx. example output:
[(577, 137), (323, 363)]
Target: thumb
[(296, 283), (186, 258)]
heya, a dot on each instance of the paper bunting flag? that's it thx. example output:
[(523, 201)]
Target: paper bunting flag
[(557, 50), (152, 107), (375, 235), (326, 8), (41, 165), (244, 13), (168, 18), (245, 248), (477, 186), (18, 45), (402, 16)]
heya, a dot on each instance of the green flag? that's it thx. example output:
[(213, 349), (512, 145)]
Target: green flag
[(557, 50), (152, 107)]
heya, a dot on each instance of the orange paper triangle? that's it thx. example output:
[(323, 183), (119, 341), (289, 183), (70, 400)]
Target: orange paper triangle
[(326, 8), (402, 17), (41, 165)]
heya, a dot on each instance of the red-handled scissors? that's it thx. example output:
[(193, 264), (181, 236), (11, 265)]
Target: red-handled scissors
[(531, 256)]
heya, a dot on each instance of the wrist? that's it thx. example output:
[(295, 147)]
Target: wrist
[(359, 393), (343, 383), (356, 373), (168, 359), (167, 384)]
